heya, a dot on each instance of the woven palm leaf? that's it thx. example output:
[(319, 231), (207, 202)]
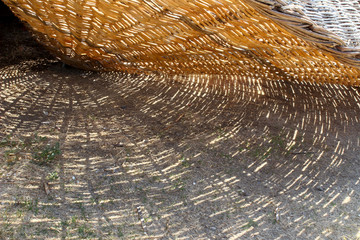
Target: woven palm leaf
[(277, 40)]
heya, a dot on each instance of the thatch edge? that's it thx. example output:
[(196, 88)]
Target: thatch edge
[(291, 18)]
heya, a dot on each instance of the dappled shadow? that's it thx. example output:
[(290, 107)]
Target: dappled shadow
[(203, 157)]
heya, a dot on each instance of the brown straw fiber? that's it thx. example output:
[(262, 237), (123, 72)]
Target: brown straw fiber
[(270, 39)]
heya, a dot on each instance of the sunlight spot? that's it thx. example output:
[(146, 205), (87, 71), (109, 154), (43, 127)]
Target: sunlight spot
[(346, 200), (237, 236), (331, 200), (260, 167), (301, 232), (202, 196)]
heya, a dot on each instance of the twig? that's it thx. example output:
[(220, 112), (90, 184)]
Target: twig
[(141, 218), (277, 215), (178, 119), (305, 152)]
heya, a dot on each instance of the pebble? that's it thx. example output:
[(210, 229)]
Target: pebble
[(242, 193), (119, 145)]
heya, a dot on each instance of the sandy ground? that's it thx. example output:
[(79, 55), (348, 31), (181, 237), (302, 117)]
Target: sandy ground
[(147, 156)]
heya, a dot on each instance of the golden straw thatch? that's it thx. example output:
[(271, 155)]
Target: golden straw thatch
[(272, 39)]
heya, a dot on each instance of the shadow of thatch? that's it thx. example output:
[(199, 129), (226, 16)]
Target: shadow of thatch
[(187, 157)]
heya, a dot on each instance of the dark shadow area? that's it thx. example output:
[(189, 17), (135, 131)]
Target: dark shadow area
[(5, 12), (17, 43), (182, 157)]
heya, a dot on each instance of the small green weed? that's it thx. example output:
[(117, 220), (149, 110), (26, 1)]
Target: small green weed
[(220, 132), (19, 213), (276, 144), (7, 142), (251, 223), (278, 141), (29, 205), (52, 176), (81, 206), (148, 219), (64, 223), (120, 232), (17, 148), (74, 220), (47, 154), (45, 231), (85, 232), (261, 153), (12, 156), (185, 163), (155, 179), (13, 149), (179, 185), (39, 139)]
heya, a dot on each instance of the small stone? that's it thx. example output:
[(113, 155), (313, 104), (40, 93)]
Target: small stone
[(118, 145), (242, 193)]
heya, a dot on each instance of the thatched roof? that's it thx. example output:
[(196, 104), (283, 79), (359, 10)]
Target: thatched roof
[(277, 40), (332, 25)]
